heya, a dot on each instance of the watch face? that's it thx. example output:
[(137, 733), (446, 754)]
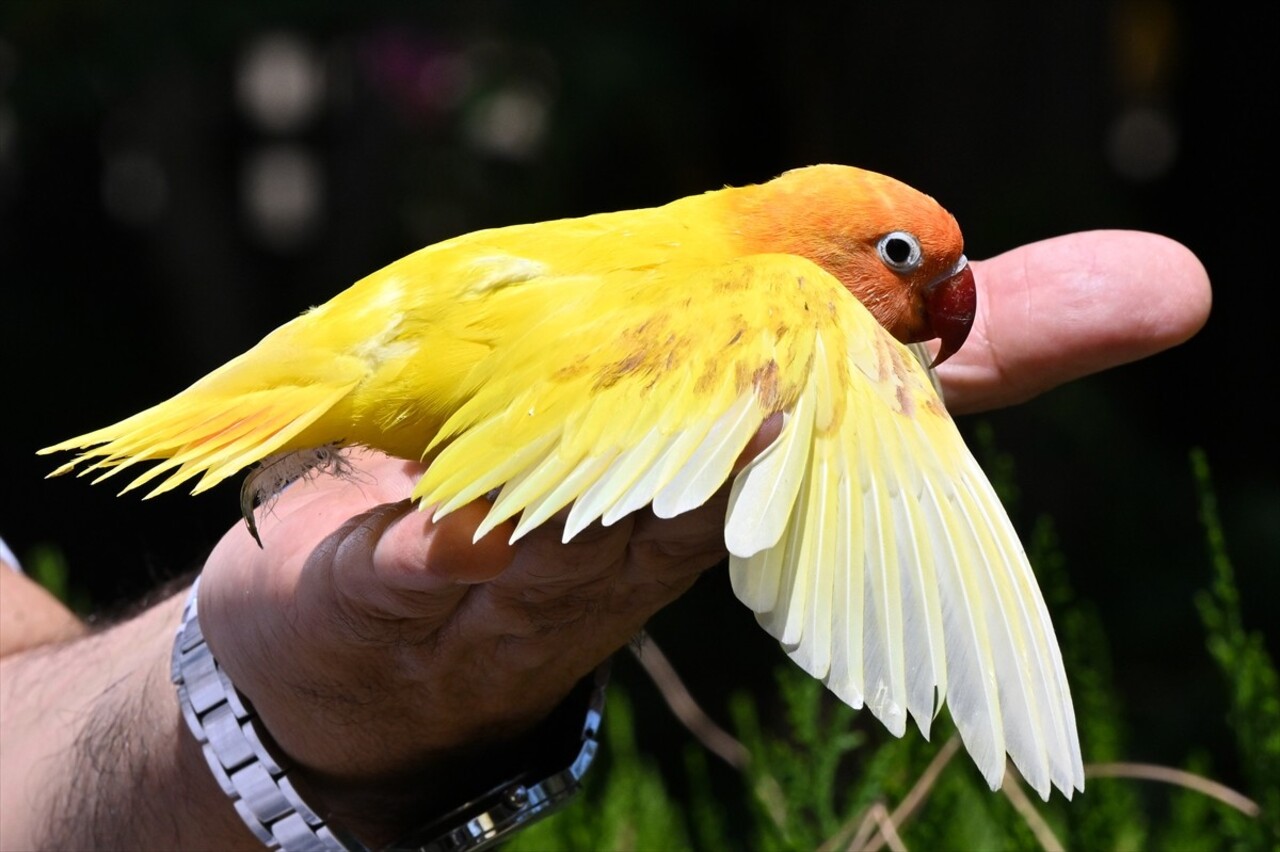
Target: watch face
[(566, 745)]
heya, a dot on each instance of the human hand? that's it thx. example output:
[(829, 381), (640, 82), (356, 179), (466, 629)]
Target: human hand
[(385, 653), (393, 659)]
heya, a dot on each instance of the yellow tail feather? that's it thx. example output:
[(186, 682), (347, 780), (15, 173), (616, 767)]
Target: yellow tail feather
[(201, 433)]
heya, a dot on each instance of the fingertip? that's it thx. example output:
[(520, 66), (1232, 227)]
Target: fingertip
[(1151, 291), (1188, 295)]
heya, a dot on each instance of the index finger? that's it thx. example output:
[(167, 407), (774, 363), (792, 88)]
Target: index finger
[(1062, 308)]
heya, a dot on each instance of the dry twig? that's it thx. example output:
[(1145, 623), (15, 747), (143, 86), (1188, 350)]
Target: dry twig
[(1044, 834), (888, 829), (868, 821), (680, 700), (1177, 777)]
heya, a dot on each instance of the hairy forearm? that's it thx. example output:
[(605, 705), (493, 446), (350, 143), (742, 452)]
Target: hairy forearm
[(93, 750)]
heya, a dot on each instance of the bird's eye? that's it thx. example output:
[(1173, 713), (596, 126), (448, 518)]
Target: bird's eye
[(900, 251)]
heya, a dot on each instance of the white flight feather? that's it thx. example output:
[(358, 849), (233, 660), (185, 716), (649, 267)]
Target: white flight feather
[(525, 486), (931, 537), (971, 690), (613, 483), (922, 611), (756, 578), (1024, 689), (918, 624), (659, 473), (710, 464), (1017, 712), (567, 487), (813, 652), (886, 688), (846, 676), (785, 622), (1066, 766), (765, 490), (1055, 719)]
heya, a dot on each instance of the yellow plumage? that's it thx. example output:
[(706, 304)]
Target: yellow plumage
[(625, 360)]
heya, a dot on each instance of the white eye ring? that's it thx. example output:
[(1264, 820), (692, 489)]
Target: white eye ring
[(900, 251)]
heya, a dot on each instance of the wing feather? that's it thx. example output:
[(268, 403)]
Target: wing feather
[(846, 678), (755, 578), (765, 490), (882, 619), (651, 481), (567, 487), (709, 465), (818, 553), (462, 487), (925, 648), (613, 485), (785, 622), (527, 487)]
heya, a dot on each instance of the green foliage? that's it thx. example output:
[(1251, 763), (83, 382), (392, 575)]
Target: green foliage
[(1253, 688), (1114, 817), (794, 778)]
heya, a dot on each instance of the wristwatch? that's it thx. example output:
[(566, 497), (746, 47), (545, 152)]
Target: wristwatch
[(253, 772)]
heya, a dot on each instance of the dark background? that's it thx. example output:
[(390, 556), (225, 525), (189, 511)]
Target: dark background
[(158, 217)]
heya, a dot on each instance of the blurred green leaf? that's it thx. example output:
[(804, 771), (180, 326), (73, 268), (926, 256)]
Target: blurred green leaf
[(1253, 688)]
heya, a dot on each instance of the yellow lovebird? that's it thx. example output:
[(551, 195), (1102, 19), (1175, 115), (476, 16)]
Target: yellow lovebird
[(624, 360)]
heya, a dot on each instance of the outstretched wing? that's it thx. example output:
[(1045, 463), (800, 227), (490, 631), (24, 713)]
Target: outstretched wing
[(865, 538), (896, 576)]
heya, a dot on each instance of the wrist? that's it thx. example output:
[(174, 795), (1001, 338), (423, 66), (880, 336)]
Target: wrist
[(220, 826), (471, 795), (239, 755), (451, 794)]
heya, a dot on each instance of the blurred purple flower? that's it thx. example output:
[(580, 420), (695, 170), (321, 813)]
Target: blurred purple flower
[(421, 75)]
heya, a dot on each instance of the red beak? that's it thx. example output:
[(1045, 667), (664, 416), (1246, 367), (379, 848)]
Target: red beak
[(952, 302)]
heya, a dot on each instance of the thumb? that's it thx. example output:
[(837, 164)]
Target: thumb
[(394, 562)]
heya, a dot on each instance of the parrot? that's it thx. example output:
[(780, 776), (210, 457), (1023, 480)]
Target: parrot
[(604, 364)]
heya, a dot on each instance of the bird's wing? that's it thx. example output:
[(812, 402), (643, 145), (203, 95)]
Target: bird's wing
[(865, 537)]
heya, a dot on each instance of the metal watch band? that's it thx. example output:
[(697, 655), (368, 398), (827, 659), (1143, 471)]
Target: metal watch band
[(224, 724), (235, 747)]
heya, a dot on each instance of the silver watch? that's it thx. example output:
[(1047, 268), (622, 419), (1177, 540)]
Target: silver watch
[(254, 775)]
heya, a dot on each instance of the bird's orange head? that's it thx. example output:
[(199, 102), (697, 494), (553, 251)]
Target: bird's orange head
[(895, 248)]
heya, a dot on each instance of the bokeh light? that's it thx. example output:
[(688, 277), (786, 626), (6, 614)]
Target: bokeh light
[(280, 82), (282, 190)]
